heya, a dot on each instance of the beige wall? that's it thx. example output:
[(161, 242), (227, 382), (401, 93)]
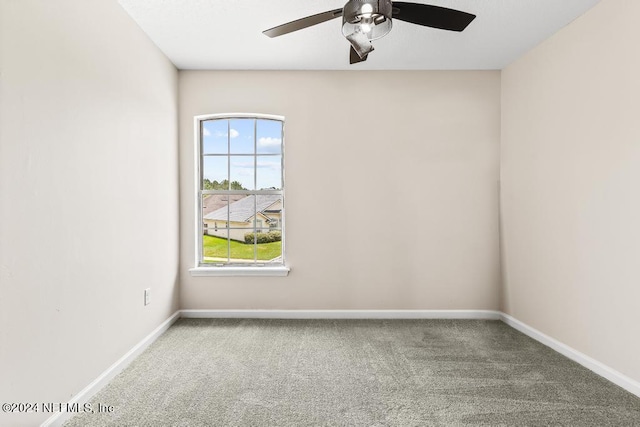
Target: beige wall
[(366, 154), (88, 195), (570, 174)]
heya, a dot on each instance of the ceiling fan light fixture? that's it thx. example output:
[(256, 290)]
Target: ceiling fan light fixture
[(370, 17), (367, 20), (360, 43)]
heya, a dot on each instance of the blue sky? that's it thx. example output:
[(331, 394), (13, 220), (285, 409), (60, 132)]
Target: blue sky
[(239, 134)]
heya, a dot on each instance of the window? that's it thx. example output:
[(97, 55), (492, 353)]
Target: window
[(240, 189)]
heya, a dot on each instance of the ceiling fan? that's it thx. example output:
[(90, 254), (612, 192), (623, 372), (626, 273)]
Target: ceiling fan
[(366, 20)]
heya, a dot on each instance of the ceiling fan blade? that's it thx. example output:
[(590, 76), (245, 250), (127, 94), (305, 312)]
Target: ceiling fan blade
[(432, 16), (299, 24), (354, 58)]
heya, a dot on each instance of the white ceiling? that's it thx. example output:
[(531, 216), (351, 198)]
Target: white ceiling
[(227, 35)]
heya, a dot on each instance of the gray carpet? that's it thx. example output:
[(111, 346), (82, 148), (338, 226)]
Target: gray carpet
[(244, 372)]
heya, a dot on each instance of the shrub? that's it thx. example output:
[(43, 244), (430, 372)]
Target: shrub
[(272, 236)]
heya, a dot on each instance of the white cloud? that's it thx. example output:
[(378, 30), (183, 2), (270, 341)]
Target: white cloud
[(261, 165), (242, 164), (269, 165), (234, 133), (206, 132), (269, 142)]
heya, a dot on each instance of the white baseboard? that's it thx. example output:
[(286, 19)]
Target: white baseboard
[(343, 314), (599, 368), (87, 393)]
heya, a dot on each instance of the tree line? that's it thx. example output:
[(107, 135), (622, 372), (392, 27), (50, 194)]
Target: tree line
[(222, 185)]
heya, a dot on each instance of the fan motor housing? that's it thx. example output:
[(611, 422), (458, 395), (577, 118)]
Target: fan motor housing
[(371, 17)]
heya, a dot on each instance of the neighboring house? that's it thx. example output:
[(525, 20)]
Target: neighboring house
[(264, 212)]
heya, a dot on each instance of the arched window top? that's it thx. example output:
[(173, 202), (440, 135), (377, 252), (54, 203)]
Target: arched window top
[(240, 183)]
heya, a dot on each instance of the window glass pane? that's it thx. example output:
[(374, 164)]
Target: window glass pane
[(272, 251), (214, 137), (242, 138), (214, 211), (215, 214), (269, 172), (242, 253), (214, 173), (215, 245), (241, 217), (269, 247), (241, 213), (269, 136), (242, 173), (270, 209)]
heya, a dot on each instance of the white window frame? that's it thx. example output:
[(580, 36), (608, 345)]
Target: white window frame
[(256, 269)]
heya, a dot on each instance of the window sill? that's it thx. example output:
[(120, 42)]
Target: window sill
[(239, 271)]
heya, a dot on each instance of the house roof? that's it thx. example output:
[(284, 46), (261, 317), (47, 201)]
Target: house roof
[(244, 209), (213, 202)]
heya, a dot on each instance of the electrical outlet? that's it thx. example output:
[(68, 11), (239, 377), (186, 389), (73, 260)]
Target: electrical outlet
[(147, 296)]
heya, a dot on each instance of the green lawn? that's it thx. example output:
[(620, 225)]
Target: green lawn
[(216, 247)]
